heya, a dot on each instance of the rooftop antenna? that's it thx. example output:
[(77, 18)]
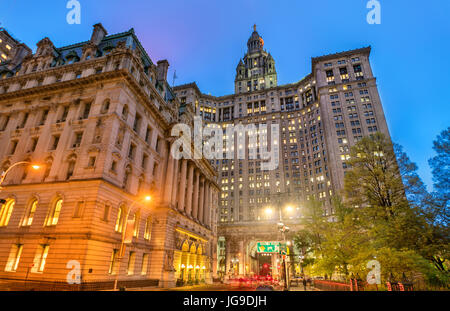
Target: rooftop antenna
[(174, 78)]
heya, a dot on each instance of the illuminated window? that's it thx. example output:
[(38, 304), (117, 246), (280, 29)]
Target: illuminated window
[(112, 265), (136, 219), (5, 212), (120, 222), (53, 216), (131, 260), (144, 266), (28, 219), (14, 258), (40, 258), (148, 229)]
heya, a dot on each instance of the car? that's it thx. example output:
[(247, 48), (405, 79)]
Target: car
[(264, 288)]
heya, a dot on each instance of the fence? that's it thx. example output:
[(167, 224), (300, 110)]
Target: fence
[(329, 285), (32, 285)]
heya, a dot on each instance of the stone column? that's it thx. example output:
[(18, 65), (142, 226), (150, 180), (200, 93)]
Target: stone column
[(201, 200), (196, 195), (190, 186), (175, 185), (169, 179), (182, 190), (207, 206)]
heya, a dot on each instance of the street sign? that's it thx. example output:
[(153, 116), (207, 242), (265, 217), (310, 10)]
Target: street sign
[(268, 247)]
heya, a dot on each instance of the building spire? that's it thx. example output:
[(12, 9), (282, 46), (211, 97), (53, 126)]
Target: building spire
[(254, 27)]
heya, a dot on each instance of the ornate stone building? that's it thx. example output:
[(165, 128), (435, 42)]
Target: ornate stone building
[(320, 118), (97, 116)]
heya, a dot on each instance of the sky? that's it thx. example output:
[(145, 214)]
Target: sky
[(204, 40)]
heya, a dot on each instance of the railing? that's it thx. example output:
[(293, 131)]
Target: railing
[(31, 285), (331, 285)]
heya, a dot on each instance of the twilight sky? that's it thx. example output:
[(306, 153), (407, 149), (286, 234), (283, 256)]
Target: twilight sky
[(204, 39)]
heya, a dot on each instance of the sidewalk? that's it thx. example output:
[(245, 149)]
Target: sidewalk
[(302, 289)]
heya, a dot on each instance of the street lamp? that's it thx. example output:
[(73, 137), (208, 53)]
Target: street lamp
[(147, 199), (3, 176)]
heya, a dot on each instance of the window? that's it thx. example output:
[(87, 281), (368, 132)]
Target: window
[(148, 229), (131, 260), (91, 162), (148, 135), (40, 258), (136, 219), (144, 266), (13, 147), (44, 117), (6, 211), (79, 209), (137, 123), (86, 110), (125, 112), (64, 114), (77, 140), (120, 222), (105, 106), (55, 141), (14, 258), (112, 265), (106, 212), (53, 216), (144, 161), (131, 151), (28, 219), (5, 123), (34, 142)]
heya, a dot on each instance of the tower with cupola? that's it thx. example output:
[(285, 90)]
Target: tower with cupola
[(256, 71)]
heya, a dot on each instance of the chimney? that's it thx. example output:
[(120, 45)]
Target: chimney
[(98, 34), (161, 70)]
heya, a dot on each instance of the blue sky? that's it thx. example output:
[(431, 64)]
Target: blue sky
[(203, 41)]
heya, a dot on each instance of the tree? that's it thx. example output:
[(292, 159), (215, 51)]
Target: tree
[(440, 165), (374, 183)]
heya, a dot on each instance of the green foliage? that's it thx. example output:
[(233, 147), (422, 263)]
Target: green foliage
[(387, 214)]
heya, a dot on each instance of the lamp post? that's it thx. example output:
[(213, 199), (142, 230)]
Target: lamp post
[(283, 229), (122, 242), (5, 173)]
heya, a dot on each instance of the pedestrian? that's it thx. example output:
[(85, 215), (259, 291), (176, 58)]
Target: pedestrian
[(304, 283)]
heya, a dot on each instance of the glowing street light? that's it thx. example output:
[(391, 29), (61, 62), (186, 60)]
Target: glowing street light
[(33, 166), (146, 198), (269, 211)]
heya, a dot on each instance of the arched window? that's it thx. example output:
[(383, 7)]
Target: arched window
[(105, 106), (125, 112), (136, 218), (29, 213), (53, 216), (120, 222), (148, 228), (6, 211)]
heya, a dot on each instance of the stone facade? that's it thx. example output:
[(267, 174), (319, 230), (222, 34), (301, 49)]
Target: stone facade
[(320, 118), (97, 116)]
